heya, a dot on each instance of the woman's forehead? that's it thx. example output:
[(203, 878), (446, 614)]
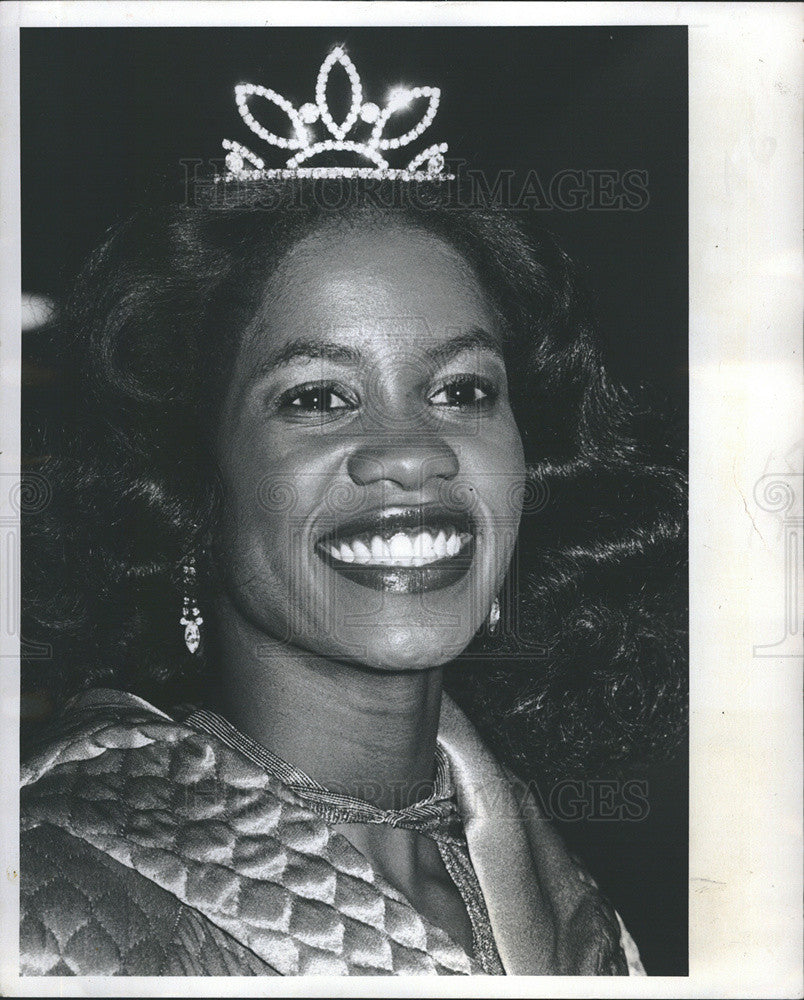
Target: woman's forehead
[(376, 279)]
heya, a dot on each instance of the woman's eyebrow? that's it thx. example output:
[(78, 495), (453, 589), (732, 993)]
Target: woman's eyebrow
[(475, 339), (303, 349)]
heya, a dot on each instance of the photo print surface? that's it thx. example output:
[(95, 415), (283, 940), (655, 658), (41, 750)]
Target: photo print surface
[(354, 554)]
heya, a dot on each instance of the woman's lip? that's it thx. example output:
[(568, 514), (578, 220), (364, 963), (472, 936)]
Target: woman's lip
[(405, 579), (387, 521)]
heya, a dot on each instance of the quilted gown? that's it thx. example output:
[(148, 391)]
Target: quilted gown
[(149, 848)]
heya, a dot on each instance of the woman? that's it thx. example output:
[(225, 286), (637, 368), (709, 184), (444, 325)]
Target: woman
[(293, 502)]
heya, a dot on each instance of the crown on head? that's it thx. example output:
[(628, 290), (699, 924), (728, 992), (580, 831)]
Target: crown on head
[(305, 145)]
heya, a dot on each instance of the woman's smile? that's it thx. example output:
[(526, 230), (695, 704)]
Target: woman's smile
[(403, 549)]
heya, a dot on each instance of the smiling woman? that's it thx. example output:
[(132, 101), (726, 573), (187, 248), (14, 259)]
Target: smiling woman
[(363, 453), (376, 407)]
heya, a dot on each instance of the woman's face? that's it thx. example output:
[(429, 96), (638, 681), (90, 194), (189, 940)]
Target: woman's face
[(372, 465)]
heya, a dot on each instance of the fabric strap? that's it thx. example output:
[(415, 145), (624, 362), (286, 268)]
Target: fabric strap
[(435, 816)]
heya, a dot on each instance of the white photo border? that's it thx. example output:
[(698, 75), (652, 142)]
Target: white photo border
[(745, 459)]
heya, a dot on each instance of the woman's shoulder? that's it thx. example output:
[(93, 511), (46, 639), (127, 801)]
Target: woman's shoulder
[(83, 909), (179, 825), (84, 913)]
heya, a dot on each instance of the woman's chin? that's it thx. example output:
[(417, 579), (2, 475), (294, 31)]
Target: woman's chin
[(407, 650)]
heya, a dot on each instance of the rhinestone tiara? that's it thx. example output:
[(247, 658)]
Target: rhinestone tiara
[(312, 121)]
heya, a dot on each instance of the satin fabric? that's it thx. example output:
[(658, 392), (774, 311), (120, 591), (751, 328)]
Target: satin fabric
[(546, 912), (236, 849)]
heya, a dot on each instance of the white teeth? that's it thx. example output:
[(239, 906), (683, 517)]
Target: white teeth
[(422, 546), (380, 553), (362, 554), (402, 549)]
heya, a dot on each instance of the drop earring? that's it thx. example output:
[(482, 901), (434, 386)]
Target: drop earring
[(494, 616), (190, 615)]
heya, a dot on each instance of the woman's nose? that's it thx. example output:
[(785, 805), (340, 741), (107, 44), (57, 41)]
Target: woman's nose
[(409, 464)]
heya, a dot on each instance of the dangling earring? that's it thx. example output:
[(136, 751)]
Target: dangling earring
[(494, 616), (190, 615)]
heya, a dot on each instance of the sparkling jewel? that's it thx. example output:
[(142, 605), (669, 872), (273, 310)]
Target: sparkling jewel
[(245, 90), (238, 156), (243, 164), (192, 636), (400, 97), (191, 615), (494, 615), (338, 56)]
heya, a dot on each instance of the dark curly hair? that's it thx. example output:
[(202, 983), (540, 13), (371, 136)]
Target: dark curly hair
[(588, 669)]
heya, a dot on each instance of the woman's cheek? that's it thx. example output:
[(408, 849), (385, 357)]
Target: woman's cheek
[(498, 460), (500, 464)]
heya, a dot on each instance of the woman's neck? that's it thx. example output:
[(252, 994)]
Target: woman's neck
[(366, 733)]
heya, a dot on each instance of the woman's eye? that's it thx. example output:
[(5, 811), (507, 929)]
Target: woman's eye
[(464, 392), (314, 399)]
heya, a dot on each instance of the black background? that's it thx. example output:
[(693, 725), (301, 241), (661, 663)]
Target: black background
[(105, 111)]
